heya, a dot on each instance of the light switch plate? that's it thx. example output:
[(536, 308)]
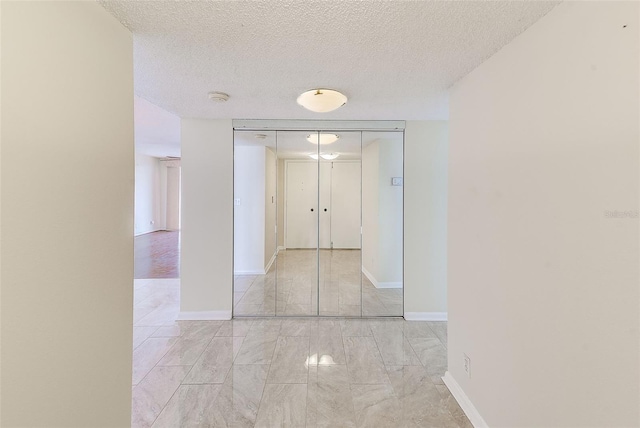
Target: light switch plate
[(396, 181)]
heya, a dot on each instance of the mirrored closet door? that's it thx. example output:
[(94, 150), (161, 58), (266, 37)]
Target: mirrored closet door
[(318, 223)]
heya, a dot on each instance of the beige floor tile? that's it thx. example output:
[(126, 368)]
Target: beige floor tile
[(189, 407), (290, 363), (283, 405)]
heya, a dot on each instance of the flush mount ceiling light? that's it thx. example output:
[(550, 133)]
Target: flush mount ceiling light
[(325, 156), (218, 96), (324, 138), (322, 100)]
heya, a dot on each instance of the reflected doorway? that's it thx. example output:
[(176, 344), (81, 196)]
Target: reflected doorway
[(318, 223)]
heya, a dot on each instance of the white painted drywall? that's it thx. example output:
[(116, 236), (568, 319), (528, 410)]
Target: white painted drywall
[(207, 218), (425, 216), (173, 197), (67, 216), (249, 216), (543, 286), (270, 221), (149, 207)]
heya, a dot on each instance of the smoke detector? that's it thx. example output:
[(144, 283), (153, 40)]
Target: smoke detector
[(218, 96)]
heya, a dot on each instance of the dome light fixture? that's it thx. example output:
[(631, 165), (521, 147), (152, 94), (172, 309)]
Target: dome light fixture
[(322, 100), (325, 156), (323, 138)]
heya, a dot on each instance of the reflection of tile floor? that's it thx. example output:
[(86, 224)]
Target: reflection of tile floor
[(298, 372), (290, 287)]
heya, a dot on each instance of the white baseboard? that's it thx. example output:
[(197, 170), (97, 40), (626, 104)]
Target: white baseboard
[(377, 284), (204, 315), (281, 248), (425, 316), (248, 272), (273, 259), (467, 406)]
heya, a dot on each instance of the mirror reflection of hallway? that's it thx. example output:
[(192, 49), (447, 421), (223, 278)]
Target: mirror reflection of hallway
[(299, 223)]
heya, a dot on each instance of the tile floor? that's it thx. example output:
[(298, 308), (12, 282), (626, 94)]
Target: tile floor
[(296, 372), (291, 287)]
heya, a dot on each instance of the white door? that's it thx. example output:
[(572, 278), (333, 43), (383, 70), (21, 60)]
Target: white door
[(345, 202), (301, 205)]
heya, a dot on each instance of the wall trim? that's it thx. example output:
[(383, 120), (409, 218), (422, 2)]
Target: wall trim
[(249, 272), (273, 258), (204, 315), (467, 406), (425, 316), (377, 284), (281, 248)]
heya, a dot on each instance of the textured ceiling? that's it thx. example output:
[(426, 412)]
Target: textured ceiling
[(393, 59)]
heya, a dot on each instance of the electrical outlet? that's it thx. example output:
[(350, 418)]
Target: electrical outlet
[(467, 365)]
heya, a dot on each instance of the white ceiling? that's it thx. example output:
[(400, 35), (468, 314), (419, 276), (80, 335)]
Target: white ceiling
[(157, 132), (393, 59)]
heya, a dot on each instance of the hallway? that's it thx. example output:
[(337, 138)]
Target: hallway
[(299, 372)]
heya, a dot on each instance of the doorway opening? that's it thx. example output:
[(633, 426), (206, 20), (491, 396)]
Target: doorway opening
[(318, 222)]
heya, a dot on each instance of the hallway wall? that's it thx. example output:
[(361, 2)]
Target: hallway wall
[(150, 194), (67, 216), (543, 282)]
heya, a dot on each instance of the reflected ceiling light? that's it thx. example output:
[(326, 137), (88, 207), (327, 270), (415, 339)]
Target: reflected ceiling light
[(324, 138), (322, 100), (325, 156)]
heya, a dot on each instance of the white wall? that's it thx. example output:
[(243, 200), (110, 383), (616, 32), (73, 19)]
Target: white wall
[(207, 219), (249, 216), (270, 221), (543, 287), (172, 209), (149, 198), (67, 216), (425, 219)]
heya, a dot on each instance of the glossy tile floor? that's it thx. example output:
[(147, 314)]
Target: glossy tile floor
[(291, 287), (157, 255), (295, 372)]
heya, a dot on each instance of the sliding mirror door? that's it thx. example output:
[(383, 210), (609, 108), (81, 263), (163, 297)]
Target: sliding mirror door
[(318, 223), (382, 223), (298, 174), (255, 219), (339, 278)]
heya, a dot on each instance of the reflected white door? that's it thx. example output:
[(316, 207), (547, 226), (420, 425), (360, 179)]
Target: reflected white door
[(301, 204), (325, 204), (345, 202)]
